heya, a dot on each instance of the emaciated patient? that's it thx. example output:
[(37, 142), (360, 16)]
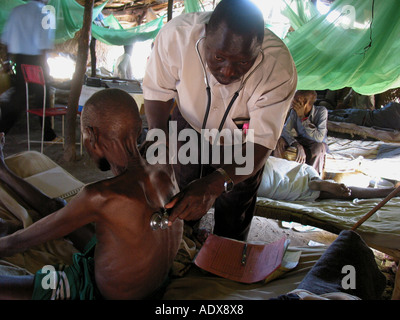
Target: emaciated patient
[(129, 260)]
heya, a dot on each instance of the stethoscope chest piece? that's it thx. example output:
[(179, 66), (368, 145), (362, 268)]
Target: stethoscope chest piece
[(159, 220)]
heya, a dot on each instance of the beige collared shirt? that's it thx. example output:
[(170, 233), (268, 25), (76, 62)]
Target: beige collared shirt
[(174, 70)]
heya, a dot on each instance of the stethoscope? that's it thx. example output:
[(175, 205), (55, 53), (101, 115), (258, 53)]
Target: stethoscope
[(159, 219), (208, 90)]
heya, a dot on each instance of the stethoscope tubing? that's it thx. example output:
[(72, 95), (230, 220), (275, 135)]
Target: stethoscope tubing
[(208, 90)]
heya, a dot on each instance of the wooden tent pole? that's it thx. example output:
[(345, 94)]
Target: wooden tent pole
[(93, 59), (376, 208), (169, 10), (77, 82)]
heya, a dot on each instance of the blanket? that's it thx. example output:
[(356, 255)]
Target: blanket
[(348, 266)]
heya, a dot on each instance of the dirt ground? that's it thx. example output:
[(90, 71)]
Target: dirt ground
[(83, 168)]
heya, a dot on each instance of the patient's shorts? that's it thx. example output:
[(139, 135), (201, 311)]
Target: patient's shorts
[(74, 282)]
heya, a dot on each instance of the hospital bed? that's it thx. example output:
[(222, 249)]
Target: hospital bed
[(372, 163), (378, 164), (353, 130)]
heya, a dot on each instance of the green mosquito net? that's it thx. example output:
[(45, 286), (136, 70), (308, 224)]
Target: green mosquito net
[(69, 20), (69, 17), (356, 44)]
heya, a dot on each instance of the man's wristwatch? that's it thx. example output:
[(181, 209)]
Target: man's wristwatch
[(228, 183)]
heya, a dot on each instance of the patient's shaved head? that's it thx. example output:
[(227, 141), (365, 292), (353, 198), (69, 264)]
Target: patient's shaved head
[(111, 125), (114, 112)]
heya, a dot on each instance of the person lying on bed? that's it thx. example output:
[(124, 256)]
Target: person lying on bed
[(292, 181), (129, 260), (387, 117)]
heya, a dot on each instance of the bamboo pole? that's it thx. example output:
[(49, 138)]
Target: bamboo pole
[(376, 208), (77, 82)]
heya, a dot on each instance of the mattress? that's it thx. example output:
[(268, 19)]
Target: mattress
[(382, 230)]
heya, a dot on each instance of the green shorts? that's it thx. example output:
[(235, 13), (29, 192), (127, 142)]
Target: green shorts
[(74, 282)]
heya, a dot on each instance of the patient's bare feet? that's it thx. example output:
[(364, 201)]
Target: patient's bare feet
[(336, 189)]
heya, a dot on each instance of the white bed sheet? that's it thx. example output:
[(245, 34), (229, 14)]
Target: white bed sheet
[(376, 159)]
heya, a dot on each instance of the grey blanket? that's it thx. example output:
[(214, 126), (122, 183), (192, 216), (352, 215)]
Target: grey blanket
[(328, 274)]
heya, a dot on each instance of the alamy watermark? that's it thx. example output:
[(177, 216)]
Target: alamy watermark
[(49, 19), (349, 280), (204, 148), (49, 281)]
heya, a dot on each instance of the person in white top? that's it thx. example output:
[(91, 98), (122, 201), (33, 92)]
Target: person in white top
[(224, 71), (28, 37), (285, 180)]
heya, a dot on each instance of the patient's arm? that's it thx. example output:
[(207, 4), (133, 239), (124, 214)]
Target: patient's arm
[(8, 227), (79, 212)]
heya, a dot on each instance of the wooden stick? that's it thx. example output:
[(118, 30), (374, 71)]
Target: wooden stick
[(77, 82), (376, 208)]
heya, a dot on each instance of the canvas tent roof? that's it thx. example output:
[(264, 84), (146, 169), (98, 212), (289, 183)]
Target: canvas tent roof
[(354, 45)]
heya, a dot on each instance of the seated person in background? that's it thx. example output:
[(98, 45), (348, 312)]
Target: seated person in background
[(292, 181), (129, 260), (305, 130), (329, 98), (355, 100), (387, 117), (123, 66)]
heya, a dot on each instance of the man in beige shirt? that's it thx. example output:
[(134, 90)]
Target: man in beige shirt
[(219, 65)]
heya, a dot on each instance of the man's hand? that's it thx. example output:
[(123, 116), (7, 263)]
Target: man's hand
[(197, 198), (301, 154), (193, 202), (299, 106)]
